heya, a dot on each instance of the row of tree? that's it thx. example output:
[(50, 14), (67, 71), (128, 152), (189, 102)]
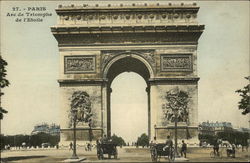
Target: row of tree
[(143, 140), (234, 137), (3, 83), (38, 139), (29, 140), (118, 140)]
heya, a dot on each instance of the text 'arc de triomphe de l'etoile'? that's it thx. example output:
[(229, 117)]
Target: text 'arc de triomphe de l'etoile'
[(157, 41)]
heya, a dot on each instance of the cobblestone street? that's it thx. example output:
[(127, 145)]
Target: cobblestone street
[(124, 155)]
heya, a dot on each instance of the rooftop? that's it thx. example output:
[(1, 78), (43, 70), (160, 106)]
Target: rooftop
[(217, 124)]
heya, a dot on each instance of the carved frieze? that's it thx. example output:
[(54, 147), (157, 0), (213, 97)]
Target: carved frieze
[(81, 17), (176, 62), (79, 64), (128, 13)]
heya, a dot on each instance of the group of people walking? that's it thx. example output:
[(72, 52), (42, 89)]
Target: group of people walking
[(87, 148)]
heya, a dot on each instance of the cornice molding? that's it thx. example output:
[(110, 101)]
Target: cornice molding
[(125, 29), (69, 82), (183, 80), (128, 7)]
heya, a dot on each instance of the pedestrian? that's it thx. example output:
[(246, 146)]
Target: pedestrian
[(216, 147), (169, 143), (104, 139), (231, 150), (154, 140), (184, 149), (89, 147), (71, 146), (153, 143)]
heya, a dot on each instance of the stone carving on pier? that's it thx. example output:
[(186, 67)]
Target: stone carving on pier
[(81, 103), (176, 104)]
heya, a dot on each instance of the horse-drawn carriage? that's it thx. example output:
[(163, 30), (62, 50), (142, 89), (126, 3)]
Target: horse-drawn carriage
[(159, 150), (108, 148)]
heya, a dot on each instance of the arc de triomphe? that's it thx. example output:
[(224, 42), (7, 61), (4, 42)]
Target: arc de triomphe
[(157, 41)]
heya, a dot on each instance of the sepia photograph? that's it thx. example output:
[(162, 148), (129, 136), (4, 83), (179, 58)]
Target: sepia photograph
[(124, 81)]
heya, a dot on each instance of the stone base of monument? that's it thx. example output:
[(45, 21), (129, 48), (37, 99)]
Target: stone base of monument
[(74, 160), (82, 136), (79, 144)]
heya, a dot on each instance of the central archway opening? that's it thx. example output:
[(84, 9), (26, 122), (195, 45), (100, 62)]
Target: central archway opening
[(129, 110), (128, 96)]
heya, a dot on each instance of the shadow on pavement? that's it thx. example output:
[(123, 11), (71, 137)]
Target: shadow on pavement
[(17, 158)]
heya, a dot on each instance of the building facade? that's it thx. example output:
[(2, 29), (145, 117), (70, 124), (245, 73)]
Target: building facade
[(52, 129), (212, 128)]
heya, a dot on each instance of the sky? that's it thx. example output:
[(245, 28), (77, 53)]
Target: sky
[(33, 69)]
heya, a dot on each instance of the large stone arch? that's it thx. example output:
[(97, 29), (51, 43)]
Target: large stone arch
[(160, 39), (130, 62)]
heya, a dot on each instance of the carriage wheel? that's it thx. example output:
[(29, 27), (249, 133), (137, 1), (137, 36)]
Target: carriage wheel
[(171, 155), (100, 154), (154, 155), (115, 156)]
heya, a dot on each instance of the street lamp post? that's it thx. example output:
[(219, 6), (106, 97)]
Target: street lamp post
[(175, 127), (74, 156), (155, 129), (177, 103)]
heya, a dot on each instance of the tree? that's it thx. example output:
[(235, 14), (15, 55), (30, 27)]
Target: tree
[(38, 139), (207, 138), (244, 103), (143, 140), (118, 140), (3, 83)]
